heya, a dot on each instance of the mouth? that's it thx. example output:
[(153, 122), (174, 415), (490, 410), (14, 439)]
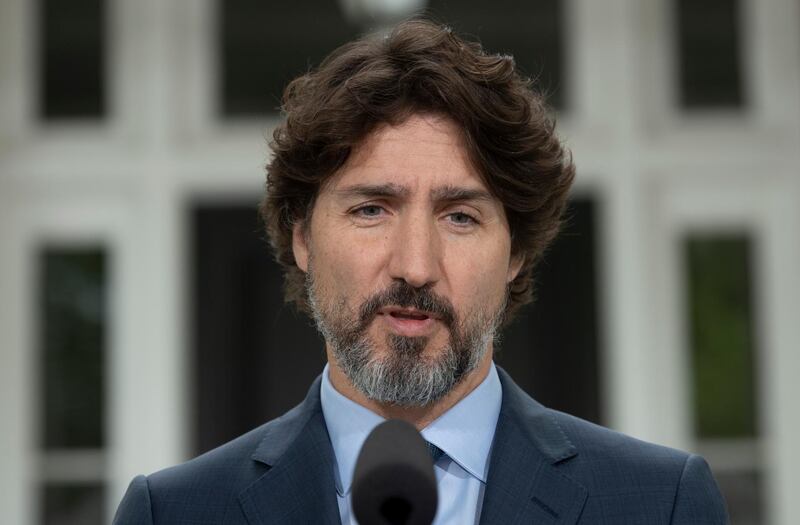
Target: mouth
[(409, 322), (407, 313)]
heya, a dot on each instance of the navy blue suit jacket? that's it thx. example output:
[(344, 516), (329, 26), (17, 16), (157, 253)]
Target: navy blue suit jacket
[(546, 468)]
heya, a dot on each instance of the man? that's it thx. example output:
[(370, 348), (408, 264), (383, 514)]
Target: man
[(415, 183)]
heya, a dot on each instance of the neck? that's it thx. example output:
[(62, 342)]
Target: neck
[(420, 417)]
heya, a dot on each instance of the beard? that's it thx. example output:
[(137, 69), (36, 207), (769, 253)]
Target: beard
[(403, 377)]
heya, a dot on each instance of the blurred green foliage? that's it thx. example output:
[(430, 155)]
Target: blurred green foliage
[(721, 330)]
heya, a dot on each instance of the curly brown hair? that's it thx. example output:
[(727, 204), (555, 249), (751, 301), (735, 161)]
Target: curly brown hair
[(420, 66)]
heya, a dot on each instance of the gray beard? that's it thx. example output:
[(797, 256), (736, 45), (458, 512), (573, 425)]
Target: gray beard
[(403, 378)]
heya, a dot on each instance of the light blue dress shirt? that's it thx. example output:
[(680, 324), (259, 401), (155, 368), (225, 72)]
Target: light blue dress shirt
[(464, 433)]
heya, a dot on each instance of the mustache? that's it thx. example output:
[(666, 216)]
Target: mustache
[(404, 295)]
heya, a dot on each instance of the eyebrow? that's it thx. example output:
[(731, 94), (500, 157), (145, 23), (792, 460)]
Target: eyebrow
[(390, 190), (455, 193)]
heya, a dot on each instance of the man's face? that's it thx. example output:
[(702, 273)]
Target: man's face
[(407, 257)]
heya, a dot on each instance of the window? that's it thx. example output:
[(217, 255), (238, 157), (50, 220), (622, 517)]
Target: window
[(254, 355), (722, 337), (72, 56), (723, 350), (530, 31), (709, 54), (264, 45), (72, 503), (552, 349), (73, 312)]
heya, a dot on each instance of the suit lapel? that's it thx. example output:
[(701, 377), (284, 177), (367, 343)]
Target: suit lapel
[(525, 484), (299, 486)]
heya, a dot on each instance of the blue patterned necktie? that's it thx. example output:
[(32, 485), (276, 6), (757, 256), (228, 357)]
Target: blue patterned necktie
[(434, 451)]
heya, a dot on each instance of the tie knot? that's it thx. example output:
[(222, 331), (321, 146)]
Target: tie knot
[(434, 451)]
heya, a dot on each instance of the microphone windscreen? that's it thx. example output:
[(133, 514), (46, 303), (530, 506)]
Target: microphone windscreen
[(393, 482)]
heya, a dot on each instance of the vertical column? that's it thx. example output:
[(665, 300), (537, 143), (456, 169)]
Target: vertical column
[(16, 367), (771, 57), (16, 364), (18, 33), (781, 367), (149, 415), (774, 62), (606, 36)]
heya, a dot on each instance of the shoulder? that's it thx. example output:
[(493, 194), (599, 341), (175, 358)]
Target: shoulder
[(206, 489), (202, 490), (561, 436), (610, 452), (623, 472), (598, 443), (225, 468), (619, 474), (577, 445)]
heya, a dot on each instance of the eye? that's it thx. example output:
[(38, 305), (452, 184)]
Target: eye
[(460, 218), (368, 211)]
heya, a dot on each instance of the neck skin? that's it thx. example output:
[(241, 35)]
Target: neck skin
[(420, 417)]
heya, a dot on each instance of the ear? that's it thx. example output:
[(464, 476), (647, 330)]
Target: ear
[(514, 267), (299, 245)]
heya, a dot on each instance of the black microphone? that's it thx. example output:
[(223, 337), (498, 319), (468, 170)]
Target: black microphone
[(393, 482)]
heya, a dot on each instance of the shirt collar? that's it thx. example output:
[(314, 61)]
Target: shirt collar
[(464, 433)]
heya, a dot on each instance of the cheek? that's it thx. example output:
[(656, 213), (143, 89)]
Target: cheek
[(348, 265), (479, 278)]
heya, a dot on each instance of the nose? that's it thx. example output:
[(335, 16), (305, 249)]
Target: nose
[(416, 251)]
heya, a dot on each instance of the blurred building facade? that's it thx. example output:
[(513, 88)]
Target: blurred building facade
[(141, 319)]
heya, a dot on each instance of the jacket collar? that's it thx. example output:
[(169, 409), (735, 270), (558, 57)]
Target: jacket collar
[(525, 483)]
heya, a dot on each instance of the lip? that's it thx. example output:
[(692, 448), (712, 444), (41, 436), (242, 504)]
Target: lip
[(407, 326)]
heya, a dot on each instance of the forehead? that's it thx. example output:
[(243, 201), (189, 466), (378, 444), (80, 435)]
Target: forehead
[(423, 152)]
